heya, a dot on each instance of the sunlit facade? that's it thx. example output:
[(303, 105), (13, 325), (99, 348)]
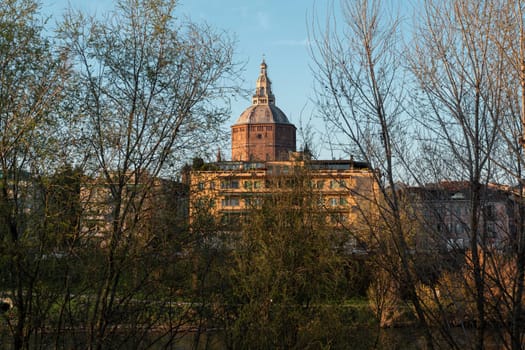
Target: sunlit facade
[(264, 162)]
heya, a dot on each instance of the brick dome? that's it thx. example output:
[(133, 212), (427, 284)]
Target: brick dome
[(262, 132)]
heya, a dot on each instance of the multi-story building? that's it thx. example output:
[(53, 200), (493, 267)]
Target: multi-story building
[(231, 189), (445, 212), (265, 161), (146, 205)]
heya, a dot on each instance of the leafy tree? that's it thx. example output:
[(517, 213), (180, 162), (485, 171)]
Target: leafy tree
[(286, 271), (146, 89), (61, 192), (32, 79)]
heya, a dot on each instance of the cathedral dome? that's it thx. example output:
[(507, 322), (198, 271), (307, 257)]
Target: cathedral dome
[(263, 109), (262, 132), (262, 114)]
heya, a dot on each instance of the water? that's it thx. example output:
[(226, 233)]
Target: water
[(361, 338)]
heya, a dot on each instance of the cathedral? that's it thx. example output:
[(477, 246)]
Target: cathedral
[(263, 148)]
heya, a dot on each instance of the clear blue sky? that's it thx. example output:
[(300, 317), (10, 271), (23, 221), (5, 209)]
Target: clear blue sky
[(276, 29)]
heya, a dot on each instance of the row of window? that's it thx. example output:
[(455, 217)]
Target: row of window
[(257, 184), (234, 201), (333, 184), (254, 128), (240, 137), (462, 210), (235, 219), (461, 228)]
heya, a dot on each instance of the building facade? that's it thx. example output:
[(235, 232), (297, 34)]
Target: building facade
[(264, 162), (147, 206), (231, 189), (445, 211)]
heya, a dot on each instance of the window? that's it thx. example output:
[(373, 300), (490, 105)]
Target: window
[(338, 201), (337, 218), (202, 203), (252, 202), (491, 230), (490, 212), (225, 184), (230, 202), (320, 184), (231, 219), (247, 185), (257, 184), (334, 184)]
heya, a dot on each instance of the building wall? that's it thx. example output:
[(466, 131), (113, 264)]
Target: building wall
[(229, 194), (262, 142), (150, 206), (446, 213)]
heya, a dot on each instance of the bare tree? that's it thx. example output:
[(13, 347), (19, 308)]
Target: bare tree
[(462, 78), (510, 273), (144, 90), (360, 89)]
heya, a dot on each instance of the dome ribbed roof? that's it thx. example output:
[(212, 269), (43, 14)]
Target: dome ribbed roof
[(262, 114), (263, 109)]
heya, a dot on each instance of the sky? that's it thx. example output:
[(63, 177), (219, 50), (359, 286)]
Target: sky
[(273, 29)]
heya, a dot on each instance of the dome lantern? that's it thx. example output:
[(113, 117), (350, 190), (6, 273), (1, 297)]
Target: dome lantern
[(263, 88)]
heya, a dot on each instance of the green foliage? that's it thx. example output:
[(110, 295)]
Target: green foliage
[(285, 276), (61, 193)]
